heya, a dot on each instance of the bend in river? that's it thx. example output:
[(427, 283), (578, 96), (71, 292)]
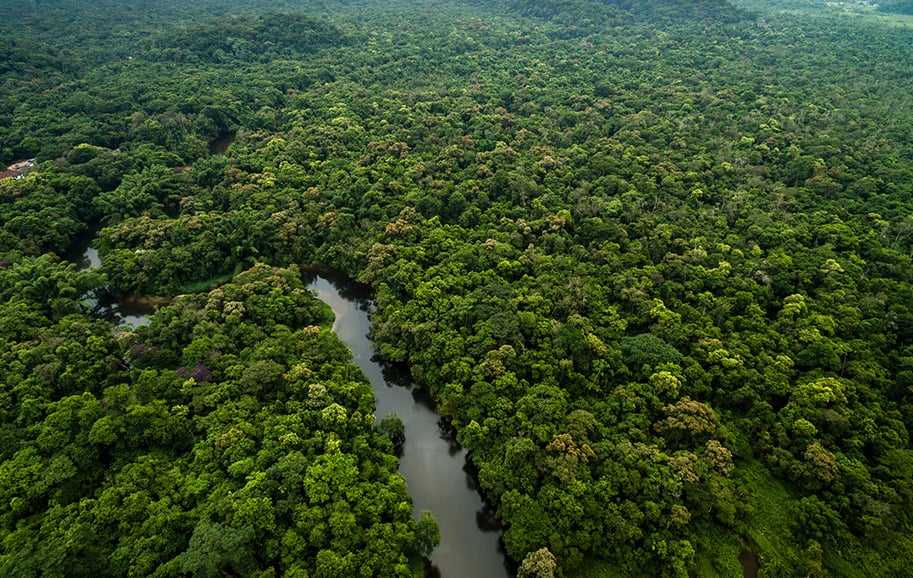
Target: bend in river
[(434, 465), (128, 310)]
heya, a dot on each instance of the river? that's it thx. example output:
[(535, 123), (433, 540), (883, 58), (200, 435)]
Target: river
[(129, 310), (433, 464)]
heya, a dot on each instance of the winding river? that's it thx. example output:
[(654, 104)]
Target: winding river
[(433, 464)]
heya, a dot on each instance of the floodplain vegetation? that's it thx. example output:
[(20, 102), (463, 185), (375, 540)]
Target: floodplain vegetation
[(653, 259)]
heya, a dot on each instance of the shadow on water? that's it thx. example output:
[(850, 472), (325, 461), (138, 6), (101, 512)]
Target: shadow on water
[(751, 565), (220, 144), (79, 251), (436, 468)]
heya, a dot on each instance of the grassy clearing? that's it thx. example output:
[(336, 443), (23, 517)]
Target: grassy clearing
[(855, 560)]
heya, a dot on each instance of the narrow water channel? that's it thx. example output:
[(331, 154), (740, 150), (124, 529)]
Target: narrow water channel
[(130, 310), (433, 464)]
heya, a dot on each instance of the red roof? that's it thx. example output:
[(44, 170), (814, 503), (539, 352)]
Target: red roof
[(8, 175)]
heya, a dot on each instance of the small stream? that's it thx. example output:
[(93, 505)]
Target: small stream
[(434, 465)]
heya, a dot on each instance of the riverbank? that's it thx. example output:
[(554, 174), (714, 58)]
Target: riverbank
[(436, 469)]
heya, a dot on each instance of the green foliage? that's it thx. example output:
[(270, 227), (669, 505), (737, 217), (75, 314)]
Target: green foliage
[(653, 259), (119, 457), (42, 214), (896, 6), (648, 349), (259, 38), (392, 427), (427, 534)]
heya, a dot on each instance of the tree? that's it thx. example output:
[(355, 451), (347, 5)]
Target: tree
[(538, 564), (687, 419), (427, 534), (216, 550), (392, 427)]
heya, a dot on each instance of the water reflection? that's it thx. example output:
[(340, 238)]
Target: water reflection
[(440, 477), (133, 310), (84, 257)]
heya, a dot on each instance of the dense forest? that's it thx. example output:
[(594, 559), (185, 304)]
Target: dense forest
[(654, 260)]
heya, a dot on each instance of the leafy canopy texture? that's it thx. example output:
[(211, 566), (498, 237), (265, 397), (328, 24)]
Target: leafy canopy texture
[(653, 259), (231, 436)]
